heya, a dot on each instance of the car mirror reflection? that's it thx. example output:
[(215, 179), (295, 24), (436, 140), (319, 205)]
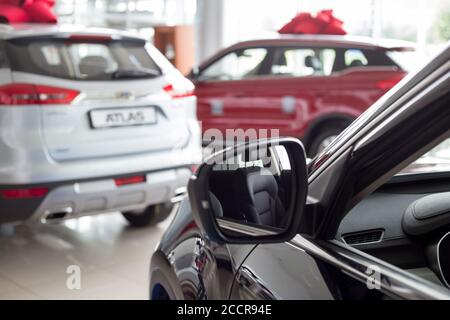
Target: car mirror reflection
[(250, 191)]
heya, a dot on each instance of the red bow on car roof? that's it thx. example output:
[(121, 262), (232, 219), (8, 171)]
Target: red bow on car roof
[(323, 23), (23, 11)]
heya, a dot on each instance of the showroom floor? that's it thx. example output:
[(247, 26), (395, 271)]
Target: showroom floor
[(113, 259)]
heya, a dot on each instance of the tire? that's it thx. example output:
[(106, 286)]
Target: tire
[(323, 137), (149, 216)]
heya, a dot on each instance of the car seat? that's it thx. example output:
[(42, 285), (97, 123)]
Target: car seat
[(93, 65), (256, 192)]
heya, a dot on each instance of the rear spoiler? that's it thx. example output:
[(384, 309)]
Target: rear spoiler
[(77, 37)]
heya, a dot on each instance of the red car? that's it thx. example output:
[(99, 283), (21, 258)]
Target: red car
[(310, 87)]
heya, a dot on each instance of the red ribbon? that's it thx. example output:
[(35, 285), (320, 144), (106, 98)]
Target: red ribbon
[(23, 11), (323, 23)]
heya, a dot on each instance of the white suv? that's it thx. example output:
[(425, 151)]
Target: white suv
[(91, 121)]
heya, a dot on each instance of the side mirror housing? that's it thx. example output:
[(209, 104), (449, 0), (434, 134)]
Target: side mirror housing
[(251, 193), (193, 75)]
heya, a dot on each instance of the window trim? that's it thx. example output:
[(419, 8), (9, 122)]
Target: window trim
[(394, 281), (5, 64)]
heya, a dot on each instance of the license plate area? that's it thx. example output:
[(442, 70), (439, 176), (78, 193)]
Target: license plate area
[(122, 117)]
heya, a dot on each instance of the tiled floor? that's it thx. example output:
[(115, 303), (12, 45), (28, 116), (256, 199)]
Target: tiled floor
[(113, 259)]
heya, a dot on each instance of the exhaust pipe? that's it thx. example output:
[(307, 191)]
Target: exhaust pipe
[(56, 216)]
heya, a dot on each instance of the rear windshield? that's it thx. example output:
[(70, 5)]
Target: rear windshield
[(110, 60)]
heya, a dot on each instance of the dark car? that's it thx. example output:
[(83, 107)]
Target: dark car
[(309, 87), (363, 220)]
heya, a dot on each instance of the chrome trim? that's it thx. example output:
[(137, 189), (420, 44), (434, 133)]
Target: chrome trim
[(245, 229), (66, 210), (394, 281)]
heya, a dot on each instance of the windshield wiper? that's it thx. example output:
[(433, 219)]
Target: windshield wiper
[(135, 73)]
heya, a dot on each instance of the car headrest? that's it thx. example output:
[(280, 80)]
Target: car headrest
[(356, 63), (312, 62), (250, 181), (93, 65)]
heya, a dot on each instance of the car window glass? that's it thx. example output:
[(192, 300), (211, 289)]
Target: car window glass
[(236, 65), (436, 160), (300, 62), (407, 60), (328, 57), (411, 211), (262, 188), (79, 60), (51, 55), (281, 158), (92, 59), (276, 161), (355, 58)]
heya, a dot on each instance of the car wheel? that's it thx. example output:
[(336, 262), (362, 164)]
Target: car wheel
[(150, 216), (323, 139)]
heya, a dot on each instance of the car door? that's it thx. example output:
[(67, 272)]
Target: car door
[(281, 271), (227, 90), (366, 75), (402, 126), (300, 88)]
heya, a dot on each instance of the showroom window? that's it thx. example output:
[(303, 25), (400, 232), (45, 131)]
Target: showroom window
[(236, 65), (300, 62)]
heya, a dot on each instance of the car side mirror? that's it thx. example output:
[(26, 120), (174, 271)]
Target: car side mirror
[(251, 193)]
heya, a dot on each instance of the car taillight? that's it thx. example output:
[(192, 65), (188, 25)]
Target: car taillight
[(26, 94), (177, 93), (24, 193), (129, 180), (388, 84)]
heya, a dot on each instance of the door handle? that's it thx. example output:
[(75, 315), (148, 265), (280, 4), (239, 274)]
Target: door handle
[(216, 107)]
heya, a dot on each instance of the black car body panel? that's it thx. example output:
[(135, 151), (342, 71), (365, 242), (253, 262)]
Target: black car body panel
[(206, 270), (203, 269)]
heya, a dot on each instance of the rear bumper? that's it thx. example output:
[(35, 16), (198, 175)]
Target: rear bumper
[(28, 162), (87, 197)]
